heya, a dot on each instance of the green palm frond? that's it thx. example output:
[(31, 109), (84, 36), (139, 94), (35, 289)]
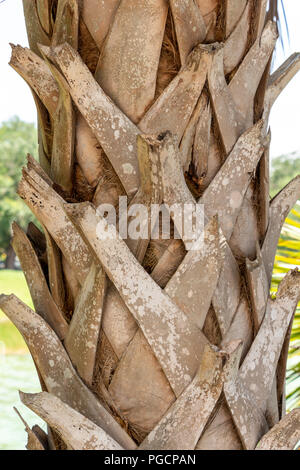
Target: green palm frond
[(288, 257)]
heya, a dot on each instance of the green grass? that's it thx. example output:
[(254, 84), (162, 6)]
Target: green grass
[(11, 338), (13, 282)]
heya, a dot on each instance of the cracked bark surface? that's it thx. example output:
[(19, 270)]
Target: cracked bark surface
[(166, 102)]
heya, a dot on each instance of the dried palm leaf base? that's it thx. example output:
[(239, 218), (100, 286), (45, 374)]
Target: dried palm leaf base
[(146, 343)]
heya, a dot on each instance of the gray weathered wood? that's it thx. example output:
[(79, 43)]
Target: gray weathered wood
[(114, 131), (259, 288), (241, 326), (193, 285), (56, 368), (272, 408), (220, 433), (82, 339), (177, 343), (259, 367), (201, 143), (173, 109), (236, 44), (284, 436), (41, 297), (78, 432), (264, 191), (38, 76), (243, 86), (229, 121), (56, 283), (138, 363), (33, 440), (226, 297), (245, 234), (225, 194), (46, 204), (182, 425), (248, 418)]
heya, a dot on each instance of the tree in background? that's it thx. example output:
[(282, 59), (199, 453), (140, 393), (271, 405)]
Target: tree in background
[(143, 343), (16, 139), (283, 169)]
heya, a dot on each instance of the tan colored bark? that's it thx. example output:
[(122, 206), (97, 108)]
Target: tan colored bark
[(248, 418), (229, 121), (220, 434), (98, 17), (35, 32), (259, 288), (43, 10), (189, 25), (45, 203), (57, 370), (82, 338), (128, 65), (266, 344), (197, 276), (284, 436), (201, 143), (78, 432), (33, 439), (236, 44), (144, 406), (56, 282), (114, 131), (66, 23), (279, 80), (62, 157), (37, 74), (190, 145), (148, 304), (244, 84), (184, 421), (234, 11), (225, 194), (41, 297), (173, 109)]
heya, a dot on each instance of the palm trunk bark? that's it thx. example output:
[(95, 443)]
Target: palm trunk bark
[(10, 258), (168, 103)]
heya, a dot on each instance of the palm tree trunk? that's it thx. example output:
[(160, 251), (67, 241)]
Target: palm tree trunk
[(146, 343)]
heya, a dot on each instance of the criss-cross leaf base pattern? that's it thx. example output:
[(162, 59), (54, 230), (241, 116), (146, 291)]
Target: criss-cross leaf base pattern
[(145, 343)]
